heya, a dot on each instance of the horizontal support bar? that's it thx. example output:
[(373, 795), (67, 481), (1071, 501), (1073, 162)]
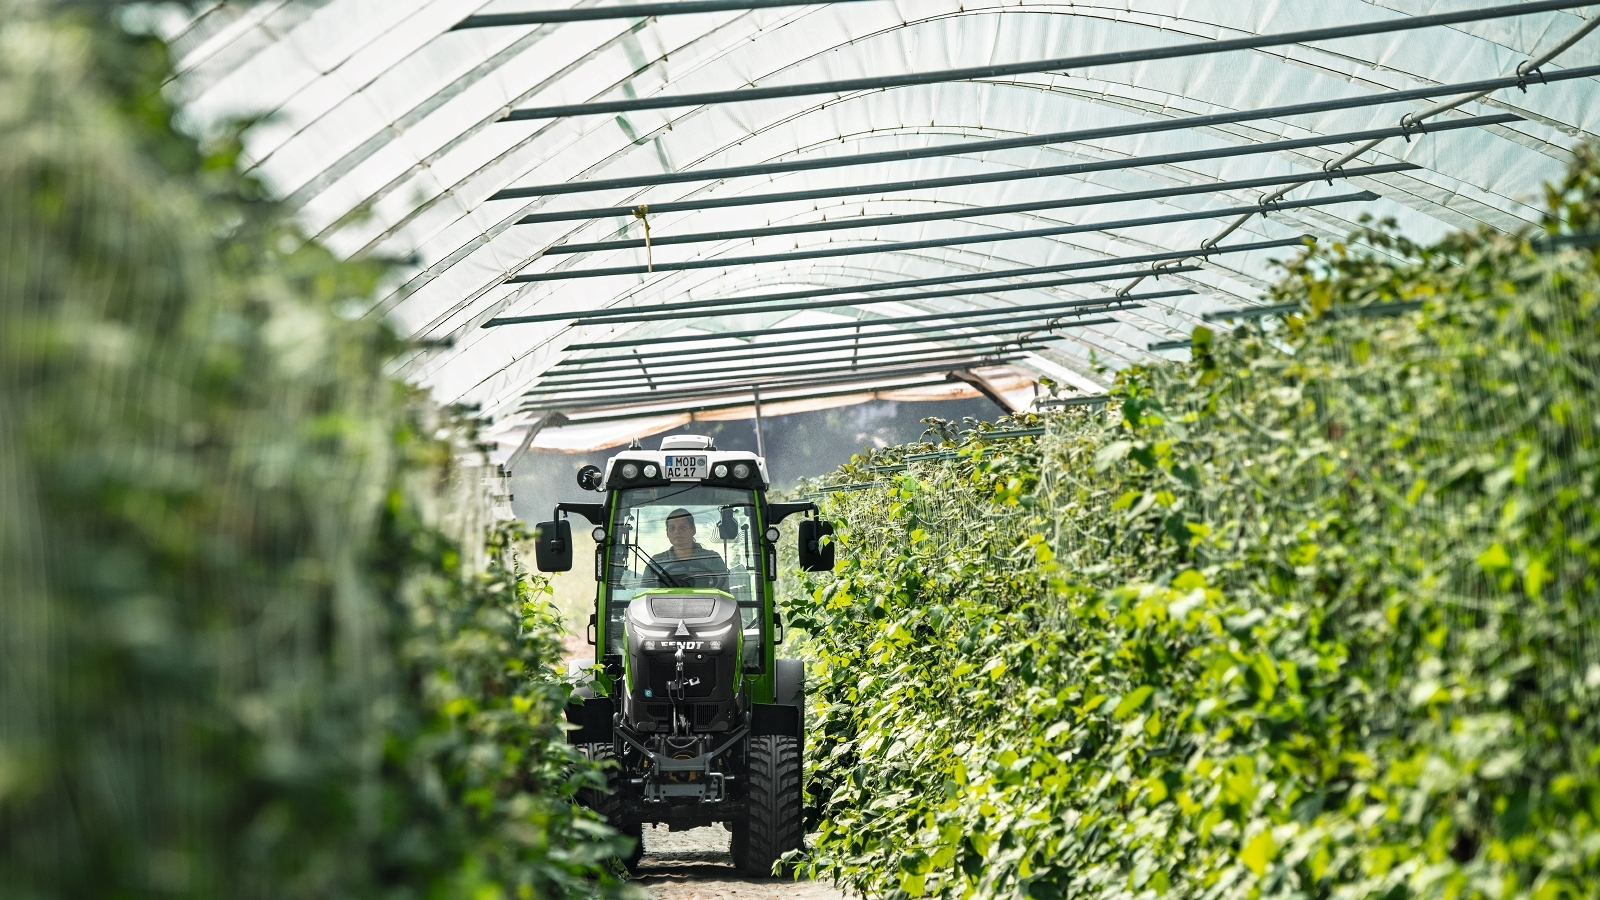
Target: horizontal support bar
[(1063, 171), (1060, 64), (661, 373), (697, 381), (974, 212), (973, 147), (964, 291), (1172, 345), (636, 11), (1045, 310), (1054, 231), (685, 308), (585, 414), (920, 366), (869, 339)]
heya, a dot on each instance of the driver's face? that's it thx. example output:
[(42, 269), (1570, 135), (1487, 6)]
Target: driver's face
[(680, 532)]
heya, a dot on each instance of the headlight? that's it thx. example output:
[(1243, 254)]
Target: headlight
[(650, 471), (741, 471), (702, 635), (599, 534), (721, 471), (629, 470), (772, 533)]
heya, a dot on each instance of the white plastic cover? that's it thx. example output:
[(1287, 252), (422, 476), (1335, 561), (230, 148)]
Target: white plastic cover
[(383, 129)]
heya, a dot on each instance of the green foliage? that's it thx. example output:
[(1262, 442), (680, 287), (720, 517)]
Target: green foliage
[(1312, 615), (246, 651)]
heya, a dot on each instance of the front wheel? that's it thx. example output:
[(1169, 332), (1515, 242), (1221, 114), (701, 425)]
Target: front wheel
[(772, 823)]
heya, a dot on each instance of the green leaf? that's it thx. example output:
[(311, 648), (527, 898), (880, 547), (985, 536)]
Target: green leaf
[(1131, 702), (1258, 852)]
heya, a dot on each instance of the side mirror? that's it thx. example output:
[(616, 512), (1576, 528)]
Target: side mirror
[(816, 555), (552, 546), (589, 478)]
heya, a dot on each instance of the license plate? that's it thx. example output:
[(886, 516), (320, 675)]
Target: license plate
[(686, 468)]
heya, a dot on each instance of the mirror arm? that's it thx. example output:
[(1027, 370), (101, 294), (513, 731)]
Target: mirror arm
[(777, 512), (594, 512)]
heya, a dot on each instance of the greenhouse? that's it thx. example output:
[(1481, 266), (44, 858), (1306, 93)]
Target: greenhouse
[(885, 448)]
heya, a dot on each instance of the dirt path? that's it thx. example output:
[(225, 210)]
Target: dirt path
[(695, 865)]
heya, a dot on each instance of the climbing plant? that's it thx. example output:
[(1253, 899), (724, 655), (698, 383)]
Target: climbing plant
[(1312, 614), (249, 646)]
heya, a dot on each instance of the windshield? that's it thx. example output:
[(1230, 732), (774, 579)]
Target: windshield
[(688, 536)]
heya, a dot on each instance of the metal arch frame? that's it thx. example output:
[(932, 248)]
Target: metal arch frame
[(637, 11), (1111, 165), (1010, 311), (965, 212), (609, 315), (1386, 95), (1171, 51), (814, 345), (901, 247), (585, 414), (868, 301), (689, 176), (621, 378), (887, 370), (867, 381)]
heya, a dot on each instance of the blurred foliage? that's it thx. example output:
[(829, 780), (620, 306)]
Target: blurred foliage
[(251, 644), (1313, 615)]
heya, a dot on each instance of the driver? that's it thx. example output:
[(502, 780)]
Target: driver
[(687, 563)]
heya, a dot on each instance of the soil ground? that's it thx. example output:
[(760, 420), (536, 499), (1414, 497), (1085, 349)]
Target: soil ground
[(695, 865)]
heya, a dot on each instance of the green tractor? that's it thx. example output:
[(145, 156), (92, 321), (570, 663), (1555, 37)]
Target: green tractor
[(698, 718)]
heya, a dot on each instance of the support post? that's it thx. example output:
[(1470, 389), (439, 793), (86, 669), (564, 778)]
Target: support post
[(761, 449)]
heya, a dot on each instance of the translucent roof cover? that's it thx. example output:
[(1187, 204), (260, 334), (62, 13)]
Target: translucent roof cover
[(388, 129)]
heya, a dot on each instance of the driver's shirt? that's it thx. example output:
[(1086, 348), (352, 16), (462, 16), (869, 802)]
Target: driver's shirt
[(703, 569)]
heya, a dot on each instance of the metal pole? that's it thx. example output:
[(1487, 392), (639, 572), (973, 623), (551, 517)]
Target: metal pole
[(976, 147), (929, 184), (761, 448), (755, 356), (626, 313), (970, 212), (1409, 121), (1063, 64), (813, 345), (1045, 310), (635, 11)]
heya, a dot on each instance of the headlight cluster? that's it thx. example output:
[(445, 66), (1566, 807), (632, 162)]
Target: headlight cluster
[(638, 471), (740, 473)]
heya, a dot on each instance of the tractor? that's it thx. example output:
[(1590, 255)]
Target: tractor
[(695, 717)]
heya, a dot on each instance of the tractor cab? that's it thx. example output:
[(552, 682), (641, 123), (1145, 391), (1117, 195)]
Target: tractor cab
[(685, 628)]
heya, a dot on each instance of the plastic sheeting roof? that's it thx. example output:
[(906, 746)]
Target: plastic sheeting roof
[(384, 129)]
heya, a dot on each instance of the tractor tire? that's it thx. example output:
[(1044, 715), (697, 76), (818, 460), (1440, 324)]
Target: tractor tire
[(774, 807), (608, 803)]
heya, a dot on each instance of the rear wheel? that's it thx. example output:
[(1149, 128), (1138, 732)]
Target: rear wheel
[(772, 822), (608, 803)]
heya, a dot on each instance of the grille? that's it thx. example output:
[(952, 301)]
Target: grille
[(661, 712), (705, 715), (664, 670), (682, 607)]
